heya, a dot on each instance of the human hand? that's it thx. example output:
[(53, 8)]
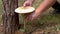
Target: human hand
[(27, 3), (31, 16)]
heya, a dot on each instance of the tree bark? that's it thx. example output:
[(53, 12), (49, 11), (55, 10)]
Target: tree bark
[(10, 18)]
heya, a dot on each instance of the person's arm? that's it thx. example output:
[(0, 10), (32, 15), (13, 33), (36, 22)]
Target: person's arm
[(40, 9), (44, 5)]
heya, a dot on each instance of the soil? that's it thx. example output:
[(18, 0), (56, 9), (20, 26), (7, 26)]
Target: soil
[(1, 28), (40, 29)]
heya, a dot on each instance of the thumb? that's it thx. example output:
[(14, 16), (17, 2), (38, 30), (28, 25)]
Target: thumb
[(24, 4)]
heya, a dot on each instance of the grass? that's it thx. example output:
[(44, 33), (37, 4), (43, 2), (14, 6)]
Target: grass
[(0, 11), (0, 7), (45, 18)]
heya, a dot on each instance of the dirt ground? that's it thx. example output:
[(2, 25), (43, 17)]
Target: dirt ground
[(1, 29), (34, 29), (39, 29)]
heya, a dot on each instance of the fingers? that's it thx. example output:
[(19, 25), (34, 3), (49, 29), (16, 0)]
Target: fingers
[(27, 3), (24, 4), (30, 17), (27, 14)]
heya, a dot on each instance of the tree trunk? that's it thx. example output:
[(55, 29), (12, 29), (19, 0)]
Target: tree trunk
[(10, 18)]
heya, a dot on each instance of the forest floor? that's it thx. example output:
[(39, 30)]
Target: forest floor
[(46, 24)]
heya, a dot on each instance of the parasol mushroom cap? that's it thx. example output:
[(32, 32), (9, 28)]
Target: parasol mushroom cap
[(27, 9)]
